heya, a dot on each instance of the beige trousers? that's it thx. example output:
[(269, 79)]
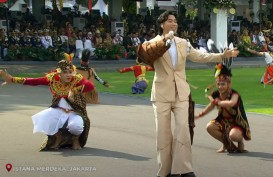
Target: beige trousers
[(174, 153)]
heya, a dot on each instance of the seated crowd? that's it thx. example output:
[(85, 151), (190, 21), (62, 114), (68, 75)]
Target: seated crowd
[(65, 39), (60, 34)]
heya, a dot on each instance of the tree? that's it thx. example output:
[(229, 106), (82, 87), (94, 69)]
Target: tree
[(129, 6), (11, 2)]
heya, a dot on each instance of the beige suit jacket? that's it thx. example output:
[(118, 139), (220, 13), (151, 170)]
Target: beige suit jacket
[(168, 79)]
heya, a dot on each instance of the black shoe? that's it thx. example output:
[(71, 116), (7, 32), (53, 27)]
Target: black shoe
[(191, 174), (169, 175)]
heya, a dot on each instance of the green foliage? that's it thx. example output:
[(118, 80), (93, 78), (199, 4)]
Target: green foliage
[(101, 52), (187, 8), (219, 4), (112, 52), (11, 2), (129, 6), (246, 81), (243, 52), (34, 54)]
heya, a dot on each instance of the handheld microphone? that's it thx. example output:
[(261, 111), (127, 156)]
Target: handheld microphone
[(168, 42)]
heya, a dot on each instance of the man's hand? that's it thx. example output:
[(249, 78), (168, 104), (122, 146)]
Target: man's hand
[(168, 36), (6, 76), (269, 82), (231, 53), (107, 85), (71, 96)]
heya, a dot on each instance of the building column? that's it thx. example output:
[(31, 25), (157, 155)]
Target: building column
[(115, 9), (143, 4), (140, 6), (218, 29), (150, 4), (256, 8)]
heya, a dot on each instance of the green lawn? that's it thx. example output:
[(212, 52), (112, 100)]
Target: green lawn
[(246, 81)]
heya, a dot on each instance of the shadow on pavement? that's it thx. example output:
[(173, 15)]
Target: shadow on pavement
[(87, 151), (263, 155)]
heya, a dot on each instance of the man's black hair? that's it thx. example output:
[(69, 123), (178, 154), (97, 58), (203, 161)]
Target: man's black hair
[(164, 17)]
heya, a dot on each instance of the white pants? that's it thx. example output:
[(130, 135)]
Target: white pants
[(50, 120)]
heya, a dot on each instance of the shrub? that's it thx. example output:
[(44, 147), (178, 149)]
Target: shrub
[(113, 52)]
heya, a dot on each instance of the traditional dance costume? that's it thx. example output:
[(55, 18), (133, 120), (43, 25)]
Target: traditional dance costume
[(65, 116), (91, 75), (236, 119), (229, 117), (141, 83), (268, 75)]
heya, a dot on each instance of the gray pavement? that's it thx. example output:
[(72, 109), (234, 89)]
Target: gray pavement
[(122, 137), (121, 141)]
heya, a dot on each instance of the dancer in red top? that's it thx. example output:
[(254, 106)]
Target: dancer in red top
[(65, 122), (141, 83), (267, 77)]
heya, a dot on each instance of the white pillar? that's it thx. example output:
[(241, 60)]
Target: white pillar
[(150, 4), (256, 8), (218, 29), (30, 3), (143, 4)]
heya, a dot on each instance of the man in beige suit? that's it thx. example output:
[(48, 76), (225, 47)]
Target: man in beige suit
[(170, 93)]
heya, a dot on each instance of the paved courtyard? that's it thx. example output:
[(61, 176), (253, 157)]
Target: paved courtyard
[(122, 136), (121, 141)]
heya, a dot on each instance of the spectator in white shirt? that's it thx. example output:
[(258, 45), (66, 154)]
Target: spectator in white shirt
[(46, 39), (118, 39), (135, 39)]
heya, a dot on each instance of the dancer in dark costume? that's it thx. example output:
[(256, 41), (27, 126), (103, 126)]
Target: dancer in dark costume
[(90, 74), (231, 124)]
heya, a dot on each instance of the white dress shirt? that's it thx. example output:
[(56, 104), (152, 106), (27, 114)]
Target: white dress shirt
[(173, 53)]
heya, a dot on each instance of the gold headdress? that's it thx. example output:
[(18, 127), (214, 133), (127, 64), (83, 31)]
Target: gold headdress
[(222, 74), (66, 63), (68, 57)]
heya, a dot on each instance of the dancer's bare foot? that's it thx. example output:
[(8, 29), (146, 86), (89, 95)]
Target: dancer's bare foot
[(75, 143), (222, 149), (241, 147), (58, 141), (76, 146)]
